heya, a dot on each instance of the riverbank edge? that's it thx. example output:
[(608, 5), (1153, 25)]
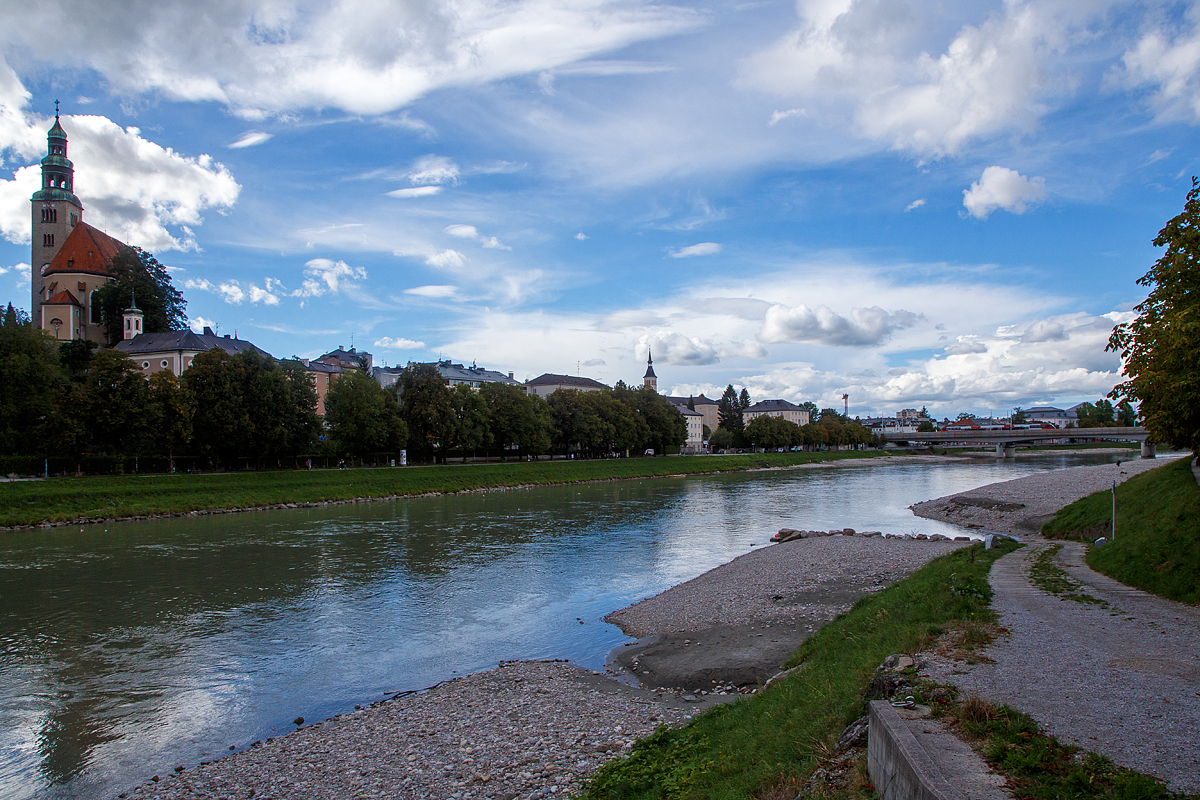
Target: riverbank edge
[(831, 459)]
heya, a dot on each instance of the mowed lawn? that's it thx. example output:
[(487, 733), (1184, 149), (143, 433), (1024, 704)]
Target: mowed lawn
[(109, 497)]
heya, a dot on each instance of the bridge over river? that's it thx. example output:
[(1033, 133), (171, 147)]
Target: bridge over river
[(1006, 440)]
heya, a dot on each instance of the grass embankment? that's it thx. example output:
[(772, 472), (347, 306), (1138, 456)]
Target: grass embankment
[(1157, 544), (108, 497), (767, 745)]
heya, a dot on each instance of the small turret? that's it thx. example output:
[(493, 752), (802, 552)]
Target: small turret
[(133, 319)]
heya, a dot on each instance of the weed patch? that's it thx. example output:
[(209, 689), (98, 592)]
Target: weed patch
[(1051, 578)]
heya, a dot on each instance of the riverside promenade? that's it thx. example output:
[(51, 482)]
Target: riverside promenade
[(1119, 674)]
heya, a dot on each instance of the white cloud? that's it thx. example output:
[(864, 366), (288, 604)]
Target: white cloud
[(702, 249), (21, 272), (140, 192), (447, 259), (469, 232), (779, 116), (864, 328), (323, 276), (388, 343), (231, 292), (1044, 331), (903, 82), (433, 291), (581, 236), (434, 171), (418, 191), (1165, 60), (1003, 188), (361, 56), (250, 139), (675, 348), (199, 284), (915, 204), (198, 324)]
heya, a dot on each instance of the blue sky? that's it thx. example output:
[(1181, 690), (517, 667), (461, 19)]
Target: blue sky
[(913, 203)]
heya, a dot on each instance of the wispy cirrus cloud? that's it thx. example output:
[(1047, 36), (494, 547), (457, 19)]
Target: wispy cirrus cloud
[(701, 249)]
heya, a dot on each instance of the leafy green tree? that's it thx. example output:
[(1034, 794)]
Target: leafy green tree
[(170, 413), (831, 415), (247, 406), (666, 428), (113, 400), (516, 419), (1126, 416), (811, 408), (426, 409), (691, 404), (137, 276), (925, 426), (964, 415), (29, 380), (729, 411), (773, 432), (1018, 417), (1098, 415), (721, 439), (470, 430), (75, 357), (362, 417), (744, 399), (1161, 347), (576, 421)]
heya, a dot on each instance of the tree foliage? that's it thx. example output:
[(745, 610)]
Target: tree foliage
[(29, 378), (729, 411), (137, 276), (427, 410), (1161, 347), (362, 417)]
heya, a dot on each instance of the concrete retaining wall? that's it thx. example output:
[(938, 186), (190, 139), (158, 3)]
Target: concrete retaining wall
[(898, 765)]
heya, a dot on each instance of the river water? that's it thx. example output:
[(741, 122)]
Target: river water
[(133, 648)]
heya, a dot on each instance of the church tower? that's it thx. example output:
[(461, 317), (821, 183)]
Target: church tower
[(651, 380), (56, 210)]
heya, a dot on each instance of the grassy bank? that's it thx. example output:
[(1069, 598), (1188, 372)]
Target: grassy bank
[(765, 745), (107, 497), (1157, 544)]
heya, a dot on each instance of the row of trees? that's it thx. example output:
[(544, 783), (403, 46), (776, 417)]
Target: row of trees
[(67, 400)]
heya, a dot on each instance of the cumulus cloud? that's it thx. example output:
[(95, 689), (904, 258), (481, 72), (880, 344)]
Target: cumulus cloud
[(1044, 331), (250, 139), (416, 191), (1166, 61), (447, 259), (198, 324), (863, 328), (779, 116), (323, 276), (581, 236), (675, 348), (400, 343), (1003, 188), (966, 345), (235, 292), (361, 56), (21, 272), (433, 291), (915, 204), (701, 249), (593, 362), (469, 232), (145, 194), (904, 84)]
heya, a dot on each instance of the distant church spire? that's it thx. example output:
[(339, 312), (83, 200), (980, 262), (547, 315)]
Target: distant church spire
[(650, 380)]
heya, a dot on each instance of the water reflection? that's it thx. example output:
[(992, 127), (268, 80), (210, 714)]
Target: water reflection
[(131, 649)]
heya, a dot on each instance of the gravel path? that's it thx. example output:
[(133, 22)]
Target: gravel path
[(1122, 679), (522, 730)]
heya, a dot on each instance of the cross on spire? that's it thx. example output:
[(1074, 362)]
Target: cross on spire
[(56, 111)]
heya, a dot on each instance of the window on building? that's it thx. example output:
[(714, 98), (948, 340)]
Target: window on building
[(47, 240), (74, 219), (145, 365), (49, 215), (93, 309), (164, 363)]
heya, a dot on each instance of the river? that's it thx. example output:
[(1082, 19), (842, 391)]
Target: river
[(131, 648)]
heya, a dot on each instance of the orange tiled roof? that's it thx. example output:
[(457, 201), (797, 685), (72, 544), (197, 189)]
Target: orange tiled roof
[(86, 249), (63, 298)]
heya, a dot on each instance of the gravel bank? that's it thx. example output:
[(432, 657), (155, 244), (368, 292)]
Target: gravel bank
[(1023, 505), (522, 730), (738, 623)]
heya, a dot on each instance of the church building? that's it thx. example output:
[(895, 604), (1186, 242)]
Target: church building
[(70, 259)]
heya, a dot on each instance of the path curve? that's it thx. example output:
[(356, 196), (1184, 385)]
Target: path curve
[(1123, 680)]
